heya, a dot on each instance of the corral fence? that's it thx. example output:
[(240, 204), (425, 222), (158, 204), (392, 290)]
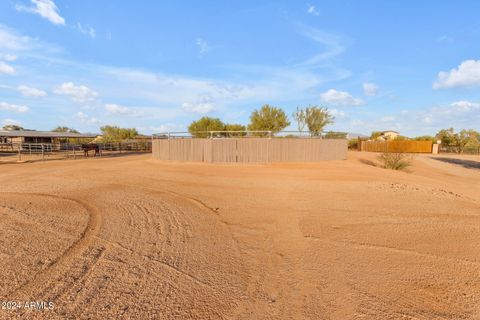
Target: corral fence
[(19, 152), (248, 146), (401, 146)]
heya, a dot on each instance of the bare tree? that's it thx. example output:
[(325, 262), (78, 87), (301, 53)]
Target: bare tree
[(300, 117)]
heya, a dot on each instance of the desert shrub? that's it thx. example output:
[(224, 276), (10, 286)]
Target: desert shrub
[(394, 160)]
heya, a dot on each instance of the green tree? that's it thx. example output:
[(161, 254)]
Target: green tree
[(425, 138), (317, 118), (299, 117), (235, 127), (12, 127), (466, 138), (65, 129), (447, 137), (268, 118), (461, 140), (199, 128), (117, 134)]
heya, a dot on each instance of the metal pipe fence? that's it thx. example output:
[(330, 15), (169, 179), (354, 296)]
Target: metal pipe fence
[(222, 134), (21, 152)]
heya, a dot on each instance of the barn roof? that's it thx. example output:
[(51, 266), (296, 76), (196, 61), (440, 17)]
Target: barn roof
[(43, 134)]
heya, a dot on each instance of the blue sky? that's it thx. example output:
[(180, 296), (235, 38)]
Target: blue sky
[(411, 66)]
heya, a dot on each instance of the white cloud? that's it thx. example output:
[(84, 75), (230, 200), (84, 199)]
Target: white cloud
[(85, 118), (158, 92), (445, 38), (86, 30), (370, 89), (167, 127), (45, 8), (7, 122), (13, 107), (338, 113), (6, 68), (79, 94), (387, 119), (333, 44), (8, 57), (465, 105), (419, 121), (113, 108), (312, 10), (460, 114), (203, 105), (9, 40), (466, 75), (340, 98), (202, 45), (31, 92)]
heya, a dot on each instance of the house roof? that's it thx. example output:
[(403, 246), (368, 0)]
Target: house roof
[(43, 134)]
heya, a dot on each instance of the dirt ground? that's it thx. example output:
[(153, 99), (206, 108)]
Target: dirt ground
[(135, 238)]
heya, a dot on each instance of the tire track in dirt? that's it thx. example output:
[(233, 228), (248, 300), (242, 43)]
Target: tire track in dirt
[(357, 245), (196, 201), (74, 250)]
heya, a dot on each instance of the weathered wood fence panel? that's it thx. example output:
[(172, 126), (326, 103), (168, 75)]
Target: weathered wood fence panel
[(249, 150), (403, 146)]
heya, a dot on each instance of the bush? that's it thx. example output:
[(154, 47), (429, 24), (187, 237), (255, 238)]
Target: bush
[(394, 160)]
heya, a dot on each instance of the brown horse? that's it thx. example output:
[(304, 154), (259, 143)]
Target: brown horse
[(91, 146)]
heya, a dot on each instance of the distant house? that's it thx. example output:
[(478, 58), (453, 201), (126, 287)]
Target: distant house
[(32, 136), (388, 135)]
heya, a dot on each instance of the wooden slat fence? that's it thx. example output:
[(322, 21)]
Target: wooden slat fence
[(251, 150), (403, 146)]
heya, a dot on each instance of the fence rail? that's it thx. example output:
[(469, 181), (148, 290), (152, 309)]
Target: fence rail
[(403, 146), (222, 134), (15, 152)]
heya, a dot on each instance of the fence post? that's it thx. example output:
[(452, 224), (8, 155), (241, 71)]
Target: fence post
[(43, 152), (19, 153)]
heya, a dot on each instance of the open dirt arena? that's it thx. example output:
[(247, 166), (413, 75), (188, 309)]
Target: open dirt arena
[(135, 238)]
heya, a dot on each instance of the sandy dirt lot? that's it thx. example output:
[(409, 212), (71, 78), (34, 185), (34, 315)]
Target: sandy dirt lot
[(134, 238)]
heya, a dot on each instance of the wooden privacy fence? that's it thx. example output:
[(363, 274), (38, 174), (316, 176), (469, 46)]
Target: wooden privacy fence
[(403, 146), (249, 150)]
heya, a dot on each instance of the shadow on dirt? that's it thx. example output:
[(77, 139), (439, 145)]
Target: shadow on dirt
[(368, 162), (469, 164)]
